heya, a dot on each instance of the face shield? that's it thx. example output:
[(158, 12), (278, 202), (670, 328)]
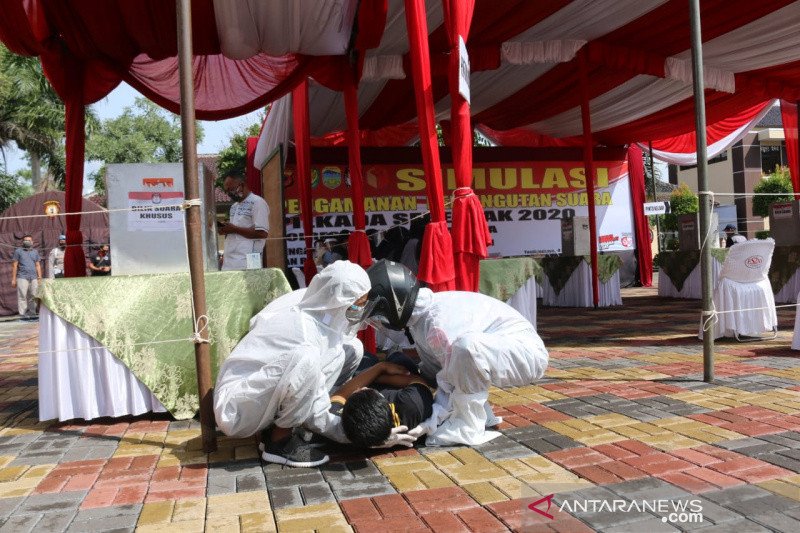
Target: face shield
[(356, 314)]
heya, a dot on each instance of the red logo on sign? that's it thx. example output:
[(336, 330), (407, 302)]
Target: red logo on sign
[(625, 242), (754, 261), (549, 500)]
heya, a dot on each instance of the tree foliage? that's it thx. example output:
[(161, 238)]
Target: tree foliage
[(682, 201), (12, 190), (233, 158), (31, 113), (777, 182), (143, 133)]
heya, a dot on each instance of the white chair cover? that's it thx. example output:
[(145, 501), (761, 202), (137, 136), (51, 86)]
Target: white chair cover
[(796, 337), (744, 289)]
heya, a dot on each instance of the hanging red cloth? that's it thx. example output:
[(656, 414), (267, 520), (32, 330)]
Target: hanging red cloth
[(436, 261), (252, 174), (470, 232), (302, 141), (358, 250), (790, 133), (641, 227)]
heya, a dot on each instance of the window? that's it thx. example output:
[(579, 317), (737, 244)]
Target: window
[(772, 155)]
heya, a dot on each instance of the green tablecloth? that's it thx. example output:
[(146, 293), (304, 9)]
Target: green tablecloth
[(124, 313), (678, 265), (559, 269), (785, 262), (501, 278)]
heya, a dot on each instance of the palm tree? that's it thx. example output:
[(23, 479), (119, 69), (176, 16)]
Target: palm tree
[(32, 115)]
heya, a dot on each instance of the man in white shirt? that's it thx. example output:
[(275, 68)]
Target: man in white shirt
[(55, 259), (247, 229)]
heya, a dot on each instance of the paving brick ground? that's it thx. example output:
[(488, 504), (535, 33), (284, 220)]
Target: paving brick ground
[(622, 417)]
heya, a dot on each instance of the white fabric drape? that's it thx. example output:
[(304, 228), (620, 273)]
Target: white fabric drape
[(277, 27), (528, 53), (577, 292), (714, 78), (714, 148), (524, 301), (87, 381), (788, 293), (692, 288), (277, 131), (383, 67)]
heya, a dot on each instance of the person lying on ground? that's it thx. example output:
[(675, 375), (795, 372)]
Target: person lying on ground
[(378, 401), (466, 342), (281, 373)]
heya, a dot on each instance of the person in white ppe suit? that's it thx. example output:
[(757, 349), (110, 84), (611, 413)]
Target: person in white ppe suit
[(281, 373), (466, 341)]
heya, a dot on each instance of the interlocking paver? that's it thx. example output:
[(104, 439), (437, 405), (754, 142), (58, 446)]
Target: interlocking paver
[(621, 414)]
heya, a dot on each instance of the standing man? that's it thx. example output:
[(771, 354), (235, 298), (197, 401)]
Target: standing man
[(248, 226), (55, 259), (26, 271), (100, 265)]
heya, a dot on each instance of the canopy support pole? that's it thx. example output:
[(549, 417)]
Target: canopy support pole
[(194, 228), (702, 185), (588, 166)]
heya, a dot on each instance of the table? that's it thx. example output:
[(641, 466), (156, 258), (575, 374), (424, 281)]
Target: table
[(512, 280), (568, 281), (679, 274), (120, 345)]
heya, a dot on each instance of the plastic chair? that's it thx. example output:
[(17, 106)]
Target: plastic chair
[(743, 295)]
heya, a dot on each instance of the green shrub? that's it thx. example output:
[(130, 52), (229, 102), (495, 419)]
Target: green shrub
[(682, 201), (764, 234), (777, 182)]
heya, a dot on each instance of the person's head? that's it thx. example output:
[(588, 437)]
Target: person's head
[(62, 241), (730, 229), (27, 241), (393, 293), (235, 186), (367, 418), (332, 293), (103, 250)]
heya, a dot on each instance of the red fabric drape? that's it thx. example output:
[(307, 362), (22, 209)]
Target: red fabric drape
[(358, 243), (358, 250), (436, 261), (252, 174), (641, 227), (302, 136), (588, 162), (470, 232), (790, 133), (74, 259)]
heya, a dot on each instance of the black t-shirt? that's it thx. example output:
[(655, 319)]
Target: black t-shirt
[(101, 261), (413, 404)]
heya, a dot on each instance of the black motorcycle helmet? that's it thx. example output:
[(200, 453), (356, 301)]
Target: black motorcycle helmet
[(394, 291)]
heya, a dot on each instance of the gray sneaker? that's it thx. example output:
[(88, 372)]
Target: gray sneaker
[(293, 451)]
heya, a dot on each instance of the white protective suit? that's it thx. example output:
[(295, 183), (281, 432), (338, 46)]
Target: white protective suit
[(469, 341), (283, 370)]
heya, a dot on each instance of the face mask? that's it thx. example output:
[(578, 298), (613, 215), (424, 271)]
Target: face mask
[(27, 244), (236, 195), (354, 313)]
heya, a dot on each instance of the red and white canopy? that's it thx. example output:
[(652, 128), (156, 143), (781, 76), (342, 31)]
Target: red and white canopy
[(525, 75)]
